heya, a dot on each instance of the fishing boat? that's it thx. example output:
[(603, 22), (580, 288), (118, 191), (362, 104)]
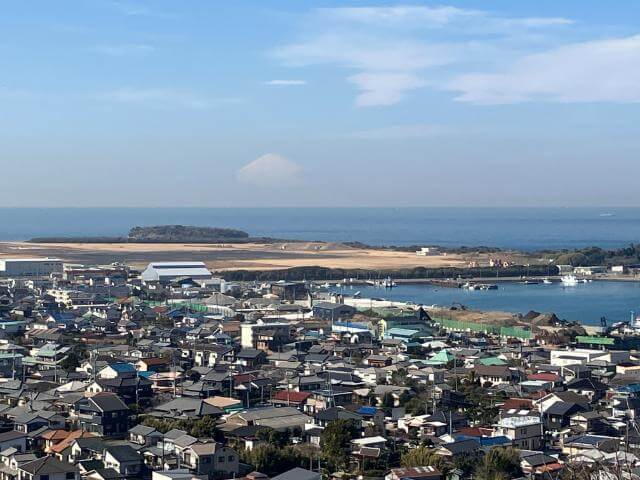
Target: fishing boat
[(569, 280), (388, 283)]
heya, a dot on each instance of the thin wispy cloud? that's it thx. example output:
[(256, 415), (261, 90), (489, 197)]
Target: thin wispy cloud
[(597, 71), (400, 15), (164, 98), (285, 83), (424, 17), (137, 9), (130, 8), (401, 132), (386, 70), (270, 170), (382, 88), (124, 50), (391, 51)]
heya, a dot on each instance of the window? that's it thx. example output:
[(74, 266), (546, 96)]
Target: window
[(44, 477), (230, 458), (70, 476), (221, 460)]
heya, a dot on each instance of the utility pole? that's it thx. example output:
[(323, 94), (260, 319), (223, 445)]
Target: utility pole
[(173, 357)]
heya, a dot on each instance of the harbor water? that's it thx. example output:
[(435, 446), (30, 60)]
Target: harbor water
[(585, 302)]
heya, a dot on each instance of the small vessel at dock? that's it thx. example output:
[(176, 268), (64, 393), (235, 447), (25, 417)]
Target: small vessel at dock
[(570, 280), (388, 283), (480, 286)]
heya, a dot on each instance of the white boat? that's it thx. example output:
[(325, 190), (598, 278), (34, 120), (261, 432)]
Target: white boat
[(569, 280), (388, 283), (546, 281)]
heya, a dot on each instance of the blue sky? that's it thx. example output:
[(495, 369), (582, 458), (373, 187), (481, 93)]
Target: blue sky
[(271, 103)]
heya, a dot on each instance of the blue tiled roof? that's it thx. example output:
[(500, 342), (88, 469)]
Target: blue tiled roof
[(351, 325), (484, 441), (367, 410), (631, 388), (123, 367), (492, 441)]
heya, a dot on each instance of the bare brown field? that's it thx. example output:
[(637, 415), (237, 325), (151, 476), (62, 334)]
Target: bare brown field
[(251, 256)]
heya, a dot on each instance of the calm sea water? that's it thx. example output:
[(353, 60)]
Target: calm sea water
[(519, 228), (584, 302)]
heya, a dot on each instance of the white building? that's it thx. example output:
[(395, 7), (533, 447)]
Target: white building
[(582, 356), (264, 336), (29, 267), (428, 251), (525, 432), (168, 271)]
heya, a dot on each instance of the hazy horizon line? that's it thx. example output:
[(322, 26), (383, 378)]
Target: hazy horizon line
[(388, 207)]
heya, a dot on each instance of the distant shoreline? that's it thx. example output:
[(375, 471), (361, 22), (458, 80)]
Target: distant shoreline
[(522, 229)]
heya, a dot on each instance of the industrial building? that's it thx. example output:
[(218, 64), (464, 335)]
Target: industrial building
[(29, 267), (169, 271), (333, 311)]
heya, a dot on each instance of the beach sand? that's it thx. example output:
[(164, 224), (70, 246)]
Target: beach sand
[(251, 256)]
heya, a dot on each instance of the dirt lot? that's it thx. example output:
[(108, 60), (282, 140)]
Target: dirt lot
[(477, 316), (256, 256)]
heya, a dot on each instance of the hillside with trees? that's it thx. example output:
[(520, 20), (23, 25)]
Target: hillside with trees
[(184, 234)]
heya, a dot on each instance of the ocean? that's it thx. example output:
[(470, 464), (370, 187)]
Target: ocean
[(510, 228)]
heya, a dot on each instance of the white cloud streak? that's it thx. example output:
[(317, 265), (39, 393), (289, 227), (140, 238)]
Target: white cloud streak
[(131, 9), (401, 132), (164, 98), (384, 88), (285, 83), (137, 9), (387, 47), (124, 50), (597, 71), (423, 17)]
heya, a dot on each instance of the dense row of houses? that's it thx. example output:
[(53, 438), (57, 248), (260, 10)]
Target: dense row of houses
[(178, 378)]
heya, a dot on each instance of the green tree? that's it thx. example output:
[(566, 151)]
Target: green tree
[(399, 377), (70, 362), (499, 464), (272, 460), (274, 437), (388, 401), (203, 427), (336, 442), (416, 406), (404, 398), (423, 457)]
